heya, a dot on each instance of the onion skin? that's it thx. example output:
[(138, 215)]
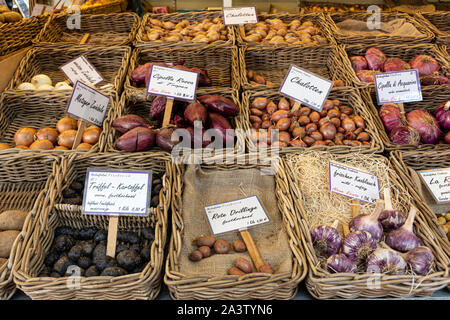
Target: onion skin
[(67, 138), (425, 124), (126, 123), (47, 134), (326, 240), (24, 136), (420, 260), (158, 107), (358, 63), (195, 112), (219, 104), (340, 263), (442, 114), (425, 64), (91, 135), (386, 261), (366, 75), (391, 115), (358, 245), (375, 58), (137, 139), (395, 64), (405, 135), (66, 123), (392, 219), (403, 239), (434, 79)]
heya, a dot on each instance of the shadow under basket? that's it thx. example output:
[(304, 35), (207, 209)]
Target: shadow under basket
[(144, 285)]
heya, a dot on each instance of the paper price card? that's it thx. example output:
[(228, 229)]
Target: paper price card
[(399, 86), (80, 69), (438, 183), (235, 215), (172, 83), (239, 15), (88, 104), (353, 183), (117, 192), (306, 87)]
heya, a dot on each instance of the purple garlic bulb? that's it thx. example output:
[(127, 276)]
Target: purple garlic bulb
[(369, 222), (420, 259), (403, 239), (358, 245), (339, 263), (392, 219), (326, 240), (387, 261)]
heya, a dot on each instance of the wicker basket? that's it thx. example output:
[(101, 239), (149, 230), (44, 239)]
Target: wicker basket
[(429, 103), (361, 39), (221, 62), (126, 106), (273, 64), (318, 19), (304, 6), (403, 51), (438, 22), (112, 7), (19, 112), (23, 187), (36, 243), (406, 163), (178, 17), (347, 95), (110, 62), (250, 286), (18, 35), (105, 30), (324, 285)]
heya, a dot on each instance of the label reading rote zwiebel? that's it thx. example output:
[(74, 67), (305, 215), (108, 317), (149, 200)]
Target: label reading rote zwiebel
[(306, 87), (80, 69), (173, 83), (236, 215), (117, 192), (353, 183), (399, 86), (239, 15), (438, 183)]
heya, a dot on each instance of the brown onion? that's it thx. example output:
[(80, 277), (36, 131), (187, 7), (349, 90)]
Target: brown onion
[(66, 123), (311, 127), (297, 143), (66, 138), (24, 136), (91, 135), (304, 111), (346, 110), (308, 140), (363, 136), (21, 147), (299, 132), (283, 124), (42, 145), (259, 103), (328, 131), (4, 146), (283, 104), (348, 124), (279, 115), (47, 134), (314, 117), (316, 135), (336, 122), (266, 124), (359, 122), (284, 136), (304, 120), (256, 112), (84, 146), (60, 148)]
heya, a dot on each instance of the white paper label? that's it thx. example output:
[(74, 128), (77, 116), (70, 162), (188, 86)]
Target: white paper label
[(400, 86), (353, 183), (438, 183), (239, 15), (88, 104), (80, 69), (117, 192), (235, 215), (172, 83), (306, 87)]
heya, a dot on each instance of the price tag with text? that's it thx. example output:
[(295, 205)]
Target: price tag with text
[(353, 183), (117, 192), (239, 15), (306, 87), (80, 69), (399, 86), (88, 104), (438, 183), (172, 83), (236, 215)]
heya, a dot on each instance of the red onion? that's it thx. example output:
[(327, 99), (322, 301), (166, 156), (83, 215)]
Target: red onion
[(340, 263), (358, 63), (366, 75), (434, 79), (384, 260), (326, 240), (395, 64), (369, 222), (358, 245), (375, 58), (442, 114), (447, 138), (425, 64), (391, 219), (420, 260), (425, 124), (403, 239), (405, 135), (391, 116)]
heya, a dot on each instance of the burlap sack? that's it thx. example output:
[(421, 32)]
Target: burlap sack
[(207, 187), (396, 27)]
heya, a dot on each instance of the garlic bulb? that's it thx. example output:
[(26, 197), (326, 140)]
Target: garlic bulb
[(384, 260), (63, 87), (338, 263), (369, 222), (420, 260), (326, 240), (62, 84), (26, 86), (403, 239), (41, 79), (45, 87)]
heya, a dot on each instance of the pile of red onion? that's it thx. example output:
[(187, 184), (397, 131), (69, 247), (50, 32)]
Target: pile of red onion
[(419, 126), (375, 61)]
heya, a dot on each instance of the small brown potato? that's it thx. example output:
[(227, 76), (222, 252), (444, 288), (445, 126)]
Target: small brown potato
[(205, 241), (267, 268), (205, 250), (12, 219), (4, 146), (233, 271), (42, 145), (84, 147), (195, 255), (6, 242), (239, 246), (221, 246), (244, 265)]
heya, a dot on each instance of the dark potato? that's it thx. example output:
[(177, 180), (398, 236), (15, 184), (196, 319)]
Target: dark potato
[(121, 247), (114, 272), (75, 252), (87, 233), (68, 231), (148, 234), (101, 235), (74, 270), (63, 243), (87, 247), (128, 236), (129, 259), (52, 257), (91, 271), (61, 265), (145, 253), (105, 262), (84, 262)]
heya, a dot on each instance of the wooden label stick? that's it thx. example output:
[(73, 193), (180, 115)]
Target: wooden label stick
[(252, 249), (356, 208), (79, 134), (167, 112), (242, 30), (345, 229), (85, 38), (112, 236), (296, 106), (387, 199)]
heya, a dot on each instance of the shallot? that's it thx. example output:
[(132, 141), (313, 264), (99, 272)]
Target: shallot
[(403, 239)]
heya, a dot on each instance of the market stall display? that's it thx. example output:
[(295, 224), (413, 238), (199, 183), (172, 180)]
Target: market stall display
[(64, 224), (103, 6), (438, 24), (331, 7)]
